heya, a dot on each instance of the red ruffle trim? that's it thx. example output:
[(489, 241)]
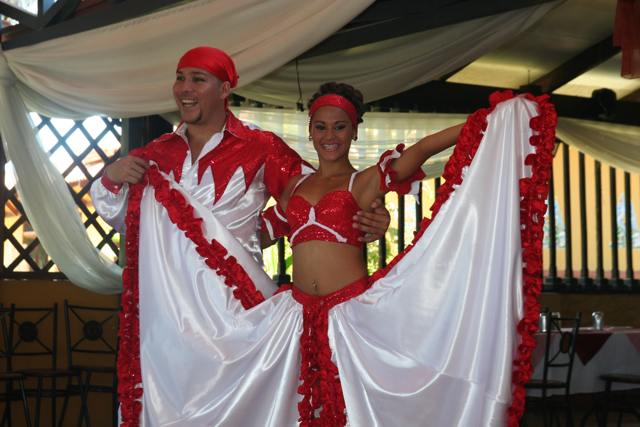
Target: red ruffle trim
[(533, 192), (128, 364), (320, 386), (181, 214), (400, 187)]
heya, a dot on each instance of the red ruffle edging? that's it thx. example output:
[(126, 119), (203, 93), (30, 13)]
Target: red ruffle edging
[(181, 214)]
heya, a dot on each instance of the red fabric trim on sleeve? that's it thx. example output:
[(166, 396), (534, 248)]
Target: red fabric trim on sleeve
[(111, 186), (388, 176)]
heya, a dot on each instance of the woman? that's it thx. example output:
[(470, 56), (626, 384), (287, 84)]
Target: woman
[(429, 340), (319, 208), (335, 111)]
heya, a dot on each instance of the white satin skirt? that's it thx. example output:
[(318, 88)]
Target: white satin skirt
[(431, 343)]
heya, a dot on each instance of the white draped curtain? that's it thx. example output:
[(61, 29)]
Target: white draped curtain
[(126, 70), (615, 145)]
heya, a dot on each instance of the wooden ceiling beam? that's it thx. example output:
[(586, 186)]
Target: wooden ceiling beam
[(632, 97), (578, 65), (18, 14), (58, 12), (444, 97), (389, 19), (119, 12), (48, 10)]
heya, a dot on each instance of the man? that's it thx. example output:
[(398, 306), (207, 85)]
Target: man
[(230, 169)]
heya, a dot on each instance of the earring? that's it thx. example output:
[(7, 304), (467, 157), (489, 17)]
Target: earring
[(310, 138), (355, 137)]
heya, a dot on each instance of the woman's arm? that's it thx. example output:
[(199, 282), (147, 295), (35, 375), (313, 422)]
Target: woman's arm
[(368, 183), (414, 157)]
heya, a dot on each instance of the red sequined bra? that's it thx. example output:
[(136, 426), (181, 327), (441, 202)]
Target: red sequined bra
[(330, 220)]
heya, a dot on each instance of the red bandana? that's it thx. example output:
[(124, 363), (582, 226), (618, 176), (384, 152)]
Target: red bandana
[(214, 61), (336, 101)]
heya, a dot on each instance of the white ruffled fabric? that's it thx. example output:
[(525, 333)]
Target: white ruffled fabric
[(430, 343)]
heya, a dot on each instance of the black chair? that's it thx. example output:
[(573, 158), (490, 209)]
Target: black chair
[(32, 344), (10, 395), (560, 359), (85, 336), (626, 403)]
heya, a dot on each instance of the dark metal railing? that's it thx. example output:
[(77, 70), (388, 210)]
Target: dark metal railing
[(601, 280)]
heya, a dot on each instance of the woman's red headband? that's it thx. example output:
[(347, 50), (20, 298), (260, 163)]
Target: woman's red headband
[(336, 101)]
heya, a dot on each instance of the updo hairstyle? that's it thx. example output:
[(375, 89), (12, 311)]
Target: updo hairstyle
[(347, 91)]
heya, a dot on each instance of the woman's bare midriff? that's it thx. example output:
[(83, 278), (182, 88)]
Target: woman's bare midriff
[(331, 266)]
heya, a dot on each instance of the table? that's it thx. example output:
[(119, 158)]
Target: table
[(613, 350)]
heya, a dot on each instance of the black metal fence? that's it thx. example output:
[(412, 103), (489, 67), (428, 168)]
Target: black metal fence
[(607, 231)]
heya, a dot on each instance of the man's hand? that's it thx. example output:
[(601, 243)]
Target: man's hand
[(375, 223), (266, 240), (128, 169)]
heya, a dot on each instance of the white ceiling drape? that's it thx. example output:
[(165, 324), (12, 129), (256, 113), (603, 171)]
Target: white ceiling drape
[(615, 145), (392, 66), (45, 197), (126, 69), (612, 144)]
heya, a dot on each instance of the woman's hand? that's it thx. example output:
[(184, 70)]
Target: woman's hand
[(375, 223)]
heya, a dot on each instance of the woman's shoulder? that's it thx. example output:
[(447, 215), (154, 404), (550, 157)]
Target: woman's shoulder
[(366, 178), (293, 182)]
